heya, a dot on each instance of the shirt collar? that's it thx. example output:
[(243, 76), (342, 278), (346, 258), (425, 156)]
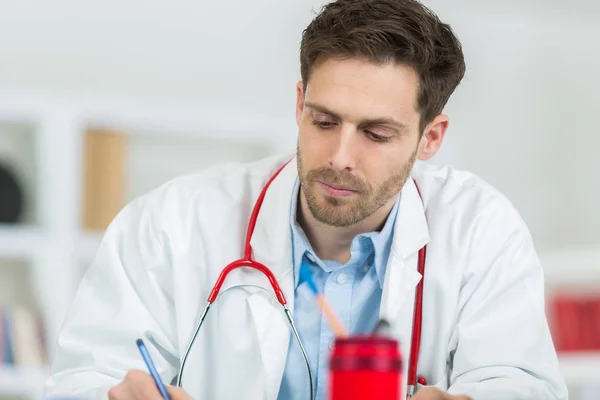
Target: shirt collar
[(300, 243), (381, 241)]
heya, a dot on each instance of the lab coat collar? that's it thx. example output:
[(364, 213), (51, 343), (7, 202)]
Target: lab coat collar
[(271, 244), (411, 233), (271, 241)]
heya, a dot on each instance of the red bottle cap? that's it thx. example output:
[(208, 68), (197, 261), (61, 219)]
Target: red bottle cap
[(374, 353)]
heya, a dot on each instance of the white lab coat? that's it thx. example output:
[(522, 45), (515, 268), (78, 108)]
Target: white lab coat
[(484, 328)]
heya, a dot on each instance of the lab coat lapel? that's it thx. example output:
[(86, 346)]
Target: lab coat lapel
[(410, 235), (271, 244)]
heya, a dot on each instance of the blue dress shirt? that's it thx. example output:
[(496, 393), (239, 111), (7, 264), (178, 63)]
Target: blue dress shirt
[(353, 290)]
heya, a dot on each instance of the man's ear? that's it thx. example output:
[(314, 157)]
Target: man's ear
[(432, 138), (299, 101)]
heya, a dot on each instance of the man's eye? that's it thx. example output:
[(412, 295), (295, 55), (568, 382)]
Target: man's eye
[(376, 138), (323, 124)]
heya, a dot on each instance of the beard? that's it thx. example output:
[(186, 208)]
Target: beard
[(341, 211)]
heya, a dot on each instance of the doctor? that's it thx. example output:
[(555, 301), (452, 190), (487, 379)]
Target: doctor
[(356, 204)]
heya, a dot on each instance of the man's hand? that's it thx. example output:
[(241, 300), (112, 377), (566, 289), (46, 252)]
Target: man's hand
[(431, 393), (138, 385)]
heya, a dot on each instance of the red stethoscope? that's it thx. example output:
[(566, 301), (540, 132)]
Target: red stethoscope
[(247, 261)]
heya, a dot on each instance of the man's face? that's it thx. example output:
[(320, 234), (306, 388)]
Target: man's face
[(358, 137)]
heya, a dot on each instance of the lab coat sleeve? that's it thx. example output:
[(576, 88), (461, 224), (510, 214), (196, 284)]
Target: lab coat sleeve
[(125, 292), (501, 345)]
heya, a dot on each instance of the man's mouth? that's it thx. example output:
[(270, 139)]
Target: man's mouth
[(336, 190)]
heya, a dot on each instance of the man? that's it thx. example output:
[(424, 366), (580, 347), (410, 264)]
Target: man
[(355, 207)]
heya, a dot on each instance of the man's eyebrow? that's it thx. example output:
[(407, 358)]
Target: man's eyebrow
[(397, 125), (392, 123), (321, 109)]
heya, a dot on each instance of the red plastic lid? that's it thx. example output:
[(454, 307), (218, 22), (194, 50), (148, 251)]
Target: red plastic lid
[(366, 353)]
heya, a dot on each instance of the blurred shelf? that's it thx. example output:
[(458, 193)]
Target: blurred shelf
[(27, 242), (571, 265), (18, 241), (580, 367), (27, 382), (88, 244), (154, 118)]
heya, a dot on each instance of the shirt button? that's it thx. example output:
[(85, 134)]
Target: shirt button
[(342, 278), (366, 268)]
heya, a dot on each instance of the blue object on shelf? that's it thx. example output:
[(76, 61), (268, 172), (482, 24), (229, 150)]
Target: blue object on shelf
[(7, 340)]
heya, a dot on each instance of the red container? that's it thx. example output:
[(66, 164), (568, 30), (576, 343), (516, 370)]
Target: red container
[(365, 367)]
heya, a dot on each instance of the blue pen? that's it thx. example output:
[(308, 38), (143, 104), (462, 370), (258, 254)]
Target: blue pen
[(152, 369), (336, 325)]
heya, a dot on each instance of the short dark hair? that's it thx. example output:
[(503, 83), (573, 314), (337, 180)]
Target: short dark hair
[(383, 31)]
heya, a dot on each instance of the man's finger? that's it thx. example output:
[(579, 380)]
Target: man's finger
[(430, 393), (142, 386), (433, 393), (177, 393), (117, 393)]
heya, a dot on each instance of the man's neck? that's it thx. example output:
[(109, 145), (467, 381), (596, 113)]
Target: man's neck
[(333, 243)]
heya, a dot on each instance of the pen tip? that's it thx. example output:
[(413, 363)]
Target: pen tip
[(383, 328), (306, 276), (139, 342)]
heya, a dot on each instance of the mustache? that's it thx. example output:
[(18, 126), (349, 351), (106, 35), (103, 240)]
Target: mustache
[(343, 179)]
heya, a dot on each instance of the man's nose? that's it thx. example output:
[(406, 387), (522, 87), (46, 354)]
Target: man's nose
[(345, 152)]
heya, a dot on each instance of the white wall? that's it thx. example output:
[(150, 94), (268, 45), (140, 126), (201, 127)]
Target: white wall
[(160, 158), (523, 118), (235, 53)]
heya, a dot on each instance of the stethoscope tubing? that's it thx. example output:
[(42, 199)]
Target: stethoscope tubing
[(291, 322)]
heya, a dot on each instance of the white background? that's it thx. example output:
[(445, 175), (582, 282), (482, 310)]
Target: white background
[(524, 118)]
